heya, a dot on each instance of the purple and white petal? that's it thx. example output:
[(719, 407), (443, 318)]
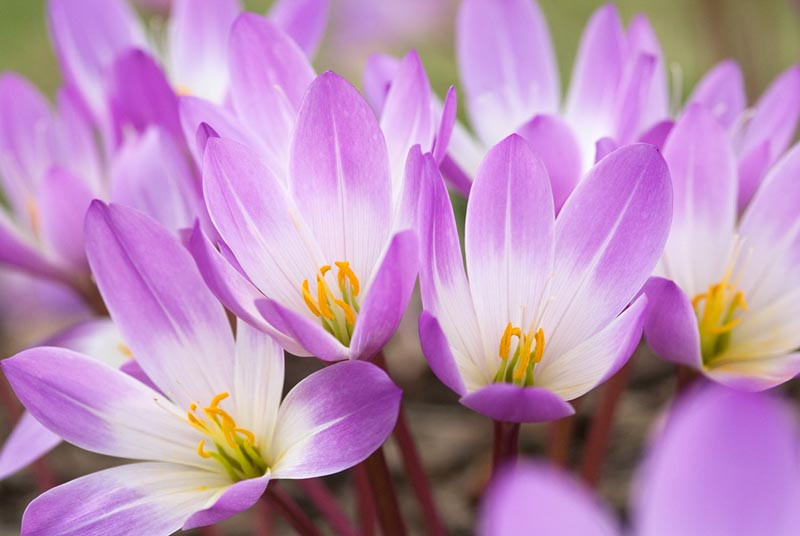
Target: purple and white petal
[(511, 403), (339, 174), (386, 296), (509, 240), (642, 39), (608, 237), (436, 349), (670, 324), (267, 87), (534, 498), (175, 327), (129, 500), (756, 374), (737, 443), (507, 65), (28, 441), (303, 20), (722, 91), (198, 44), (333, 419), (233, 500), (379, 71), (99, 408)]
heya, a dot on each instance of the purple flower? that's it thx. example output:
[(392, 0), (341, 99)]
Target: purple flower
[(730, 305), (269, 77), (549, 310), (216, 431), (318, 262), (725, 463), (761, 135), (90, 35), (511, 82)]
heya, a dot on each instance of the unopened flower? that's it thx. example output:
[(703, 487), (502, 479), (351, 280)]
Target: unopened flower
[(730, 304), (215, 431), (547, 308)]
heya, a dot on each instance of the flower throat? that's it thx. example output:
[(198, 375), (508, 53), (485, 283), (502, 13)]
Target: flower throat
[(337, 314), (518, 368)]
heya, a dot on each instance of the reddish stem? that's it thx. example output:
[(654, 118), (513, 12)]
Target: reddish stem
[(684, 378), (560, 437), (366, 504), (597, 441), (265, 518), (388, 509), (290, 510), (316, 490), (506, 443)]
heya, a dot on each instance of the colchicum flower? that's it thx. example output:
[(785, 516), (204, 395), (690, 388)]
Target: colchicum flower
[(510, 77), (212, 430), (725, 463), (550, 308), (318, 264), (730, 303), (759, 135)]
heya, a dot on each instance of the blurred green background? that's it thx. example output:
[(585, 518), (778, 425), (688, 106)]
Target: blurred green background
[(763, 35)]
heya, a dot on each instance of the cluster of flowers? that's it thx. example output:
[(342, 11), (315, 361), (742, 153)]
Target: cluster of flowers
[(217, 170)]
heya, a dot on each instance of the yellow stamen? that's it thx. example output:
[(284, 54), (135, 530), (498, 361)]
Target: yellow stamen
[(346, 274), (529, 352), (309, 300), (539, 351), (124, 350), (349, 315), (322, 298), (338, 313), (200, 451)]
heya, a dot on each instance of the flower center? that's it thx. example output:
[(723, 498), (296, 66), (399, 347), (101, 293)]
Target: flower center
[(518, 368), (337, 314), (235, 448), (716, 311)]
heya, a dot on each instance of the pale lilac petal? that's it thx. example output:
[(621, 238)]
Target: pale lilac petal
[(135, 371), (78, 149), (333, 419), (756, 374), (387, 296), (19, 251), (99, 408), (512, 403), (258, 381), (534, 498), (465, 153), (62, 203), (670, 325), (407, 118), (307, 333), (604, 147), (255, 217), (88, 36), (409, 207), (140, 96), (198, 45), (303, 20), (151, 173), (195, 112), (596, 76), (752, 167), (631, 103), (96, 337), (174, 326), (722, 91), (703, 170), (657, 135), (235, 499), (446, 124), (444, 287), (26, 141), (28, 441), (437, 351), (725, 463), (608, 238), (130, 500), (771, 233), (509, 239), (555, 143), (593, 361), (269, 76), (507, 65), (379, 71), (642, 39), (339, 174), (233, 289)]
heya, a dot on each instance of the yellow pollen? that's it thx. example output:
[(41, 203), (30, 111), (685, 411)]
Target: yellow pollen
[(124, 350), (236, 449), (33, 215), (530, 349), (183, 91), (337, 313)]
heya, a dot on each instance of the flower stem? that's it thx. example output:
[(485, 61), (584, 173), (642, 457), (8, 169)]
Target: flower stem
[(290, 510), (597, 441), (560, 437), (364, 499), (9, 401), (415, 471), (389, 517), (506, 443), (316, 490), (684, 378)]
